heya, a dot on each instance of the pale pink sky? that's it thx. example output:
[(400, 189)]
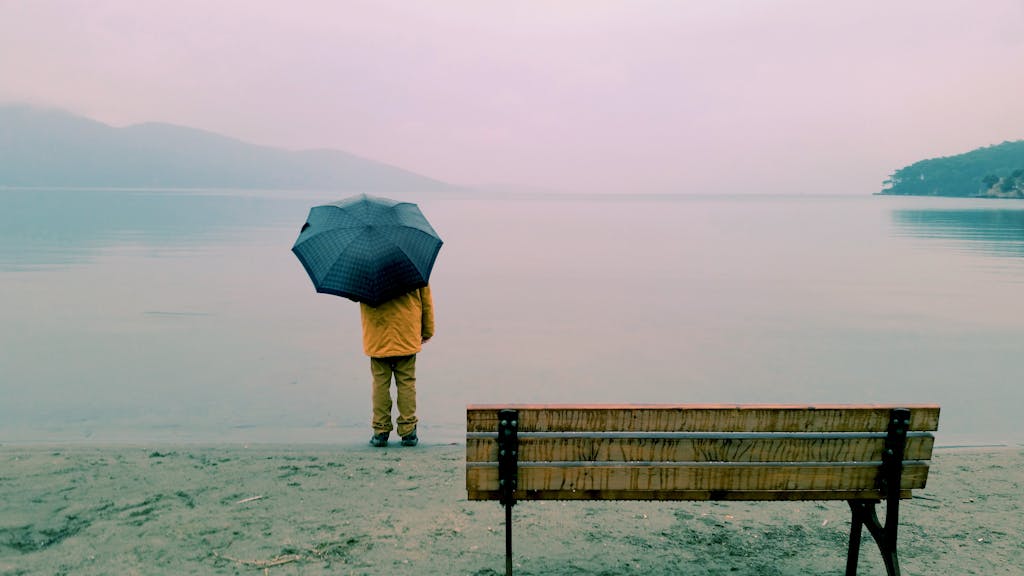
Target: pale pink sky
[(801, 96)]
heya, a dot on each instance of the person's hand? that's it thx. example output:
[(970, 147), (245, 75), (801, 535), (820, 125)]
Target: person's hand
[(427, 339)]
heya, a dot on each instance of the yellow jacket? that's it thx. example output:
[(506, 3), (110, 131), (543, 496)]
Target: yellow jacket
[(399, 326)]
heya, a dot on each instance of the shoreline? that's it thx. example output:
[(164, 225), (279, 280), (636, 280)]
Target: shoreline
[(333, 509)]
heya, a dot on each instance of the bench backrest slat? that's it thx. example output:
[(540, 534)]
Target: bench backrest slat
[(701, 417), (684, 452), (723, 448)]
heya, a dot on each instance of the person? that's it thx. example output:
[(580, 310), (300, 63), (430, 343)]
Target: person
[(393, 334)]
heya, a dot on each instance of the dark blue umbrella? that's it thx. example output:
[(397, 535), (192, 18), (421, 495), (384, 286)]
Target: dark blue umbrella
[(367, 249)]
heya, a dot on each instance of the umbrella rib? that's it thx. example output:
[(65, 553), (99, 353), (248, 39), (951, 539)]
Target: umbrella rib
[(340, 259), (332, 229), (320, 277), (411, 259)]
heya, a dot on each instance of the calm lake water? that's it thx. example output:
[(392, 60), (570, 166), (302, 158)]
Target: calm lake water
[(136, 316)]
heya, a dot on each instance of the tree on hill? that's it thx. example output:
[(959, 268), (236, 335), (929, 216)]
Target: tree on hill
[(989, 171), (1012, 185)]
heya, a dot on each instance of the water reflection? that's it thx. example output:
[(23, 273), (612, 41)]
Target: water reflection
[(997, 231), (688, 299), (45, 228)]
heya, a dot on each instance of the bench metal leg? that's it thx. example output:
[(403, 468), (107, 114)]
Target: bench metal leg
[(889, 483), (884, 536), (853, 553), (508, 540)]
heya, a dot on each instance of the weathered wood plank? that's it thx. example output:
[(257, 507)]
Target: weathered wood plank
[(582, 449), (692, 495), (702, 417), (708, 476)]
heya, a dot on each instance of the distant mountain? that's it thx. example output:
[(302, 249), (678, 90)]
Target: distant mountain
[(991, 172), (43, 147)]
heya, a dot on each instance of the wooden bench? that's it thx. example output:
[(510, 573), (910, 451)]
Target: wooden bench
[(863, 454)]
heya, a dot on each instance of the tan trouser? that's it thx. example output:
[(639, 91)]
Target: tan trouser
[(404, 370)]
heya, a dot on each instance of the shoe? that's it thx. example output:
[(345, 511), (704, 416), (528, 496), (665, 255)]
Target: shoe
[(380, 440), (410, 439)]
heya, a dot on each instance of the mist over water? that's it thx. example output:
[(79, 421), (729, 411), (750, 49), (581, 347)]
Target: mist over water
[(136, 316)]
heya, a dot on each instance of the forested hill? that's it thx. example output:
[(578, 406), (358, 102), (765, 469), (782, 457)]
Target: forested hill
[(992, 172), (51, 148)]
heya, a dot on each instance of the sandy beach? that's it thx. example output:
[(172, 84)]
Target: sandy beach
[(351, 509)]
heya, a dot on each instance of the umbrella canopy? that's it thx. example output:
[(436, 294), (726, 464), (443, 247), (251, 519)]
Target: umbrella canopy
[(367, 249)]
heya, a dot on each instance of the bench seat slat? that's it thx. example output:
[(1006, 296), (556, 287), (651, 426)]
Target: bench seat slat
[(694, 435), (704, 418), (689, 495), (698, 476), (692, 447)]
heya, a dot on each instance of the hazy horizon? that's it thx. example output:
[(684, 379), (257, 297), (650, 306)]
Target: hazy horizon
[(633, 97)]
